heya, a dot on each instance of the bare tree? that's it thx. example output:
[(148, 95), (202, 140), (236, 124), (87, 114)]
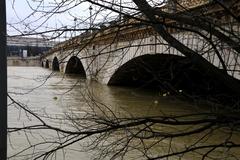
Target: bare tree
[(149, 137)]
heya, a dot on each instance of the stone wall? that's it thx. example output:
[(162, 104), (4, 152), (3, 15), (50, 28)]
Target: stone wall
[(193, 3), (19, 61)]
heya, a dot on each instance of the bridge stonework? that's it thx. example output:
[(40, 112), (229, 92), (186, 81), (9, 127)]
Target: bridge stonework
[(103, 56)]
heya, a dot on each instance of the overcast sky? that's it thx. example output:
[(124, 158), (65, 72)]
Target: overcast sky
[(20, 17)]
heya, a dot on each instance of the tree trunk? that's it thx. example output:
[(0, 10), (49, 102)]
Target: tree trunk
[(232, 84)]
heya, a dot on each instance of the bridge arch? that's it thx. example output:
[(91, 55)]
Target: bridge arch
[(55, 64), (47, 64), (75, 66), (164, 72), (144, 71)]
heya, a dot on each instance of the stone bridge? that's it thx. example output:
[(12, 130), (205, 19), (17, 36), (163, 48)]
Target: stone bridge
[(135, 55)]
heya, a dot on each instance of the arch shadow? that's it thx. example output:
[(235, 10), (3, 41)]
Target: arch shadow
[(166, 73), (55, 64), (47, 64), (74, 66)]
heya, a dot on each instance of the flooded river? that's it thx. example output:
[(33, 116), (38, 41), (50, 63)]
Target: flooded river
[(54, 95)]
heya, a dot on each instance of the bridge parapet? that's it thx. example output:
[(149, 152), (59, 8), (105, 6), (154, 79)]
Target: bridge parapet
[(179, 5), (193, 3)]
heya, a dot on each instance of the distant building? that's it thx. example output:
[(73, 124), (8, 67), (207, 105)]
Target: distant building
[(27, 46)]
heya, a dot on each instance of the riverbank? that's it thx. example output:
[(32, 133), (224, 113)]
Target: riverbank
[(19, 61)]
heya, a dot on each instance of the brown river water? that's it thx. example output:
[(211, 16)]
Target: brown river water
[(55, 94)]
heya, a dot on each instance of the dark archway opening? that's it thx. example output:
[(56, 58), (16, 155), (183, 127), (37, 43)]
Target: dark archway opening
[(169, 73), (55, 64), (47, 64), (74, 66)]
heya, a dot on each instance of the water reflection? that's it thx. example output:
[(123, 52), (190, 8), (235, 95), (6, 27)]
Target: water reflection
[(54, 95)]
